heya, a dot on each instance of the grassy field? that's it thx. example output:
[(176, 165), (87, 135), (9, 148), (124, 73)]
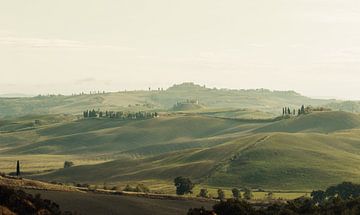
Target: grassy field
[(296, 154)]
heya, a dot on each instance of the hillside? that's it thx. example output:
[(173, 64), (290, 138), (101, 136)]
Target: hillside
[(322, 122), (213, 151), (260, 99)]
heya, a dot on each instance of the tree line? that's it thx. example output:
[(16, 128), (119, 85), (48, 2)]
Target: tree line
[(340, 199), (286, 111), (119, 114)]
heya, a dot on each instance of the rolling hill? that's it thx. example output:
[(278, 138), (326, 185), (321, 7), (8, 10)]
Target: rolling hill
[(300, 153), (321, 122), (260, 99)]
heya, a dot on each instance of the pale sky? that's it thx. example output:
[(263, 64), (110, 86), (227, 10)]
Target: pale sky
[(310, 46)]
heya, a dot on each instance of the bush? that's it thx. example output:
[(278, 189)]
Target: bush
[(203, 193), (20, 202), (236, 193), (248, 194), (221, 194), (233, 207), (68, 164), (140, 188)]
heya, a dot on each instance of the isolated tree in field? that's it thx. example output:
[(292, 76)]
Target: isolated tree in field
[(68, 164), (236, 193), (204, 193), (248, 194), (18, 168), (221, 194), (183, 185)]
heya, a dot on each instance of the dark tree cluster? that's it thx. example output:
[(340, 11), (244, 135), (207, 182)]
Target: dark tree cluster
[(340, 199), (19, 202), (183, 185), (345, 190), (119, 114), (303, 110), (301, 206), (286, 111)]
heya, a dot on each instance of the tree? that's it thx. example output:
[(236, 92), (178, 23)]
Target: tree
[(289, 111), (318, 196), (248, 194), (302, 109), (68, 164), (204, 193), (221, 194), (345, 190), (183, 185), (236, 193), (18, 168)]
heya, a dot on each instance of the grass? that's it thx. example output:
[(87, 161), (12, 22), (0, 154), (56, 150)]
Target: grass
[(303, 153), (264, 100)]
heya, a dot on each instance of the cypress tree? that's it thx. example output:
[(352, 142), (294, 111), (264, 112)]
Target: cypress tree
[(302, 109), (18, 168)]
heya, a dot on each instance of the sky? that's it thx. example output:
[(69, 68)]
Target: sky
[(70, 46)]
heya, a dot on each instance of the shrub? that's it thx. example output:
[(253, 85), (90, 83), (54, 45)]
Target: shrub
[(248, 194), (233, 207), (68, 164), (221, 194), (236, 193), (203, 193), (22, 203), (140, 188)]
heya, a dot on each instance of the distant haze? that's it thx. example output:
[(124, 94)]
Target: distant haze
[(310, 46)]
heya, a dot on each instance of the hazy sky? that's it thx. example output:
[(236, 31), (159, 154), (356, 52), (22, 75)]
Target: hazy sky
[(311, 46)]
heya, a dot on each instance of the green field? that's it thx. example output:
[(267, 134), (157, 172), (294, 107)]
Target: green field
[(231, 138), (215, 152)]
